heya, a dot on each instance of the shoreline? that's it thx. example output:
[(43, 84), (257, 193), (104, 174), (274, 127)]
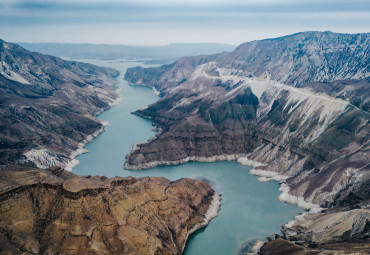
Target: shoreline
[(44, 158), (211, 213), (265, 176), (73, 162), (242, 159), (285, 196), (215, 158)]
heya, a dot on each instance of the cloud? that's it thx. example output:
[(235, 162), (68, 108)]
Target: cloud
[(166, 21)]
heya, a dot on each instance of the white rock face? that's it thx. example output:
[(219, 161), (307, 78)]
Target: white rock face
[(43, 158), (300, 201), (11, 75)]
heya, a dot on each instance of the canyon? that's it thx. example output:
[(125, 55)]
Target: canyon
[(296, 108), (48, 113)]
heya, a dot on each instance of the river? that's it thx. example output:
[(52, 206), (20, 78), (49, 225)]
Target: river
[(250, 209)]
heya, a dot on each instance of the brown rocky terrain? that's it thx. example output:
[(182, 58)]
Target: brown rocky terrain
[(53, 211), (48, 105), (295, 108)]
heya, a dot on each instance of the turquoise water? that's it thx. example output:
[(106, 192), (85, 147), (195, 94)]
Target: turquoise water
[(250, 209)]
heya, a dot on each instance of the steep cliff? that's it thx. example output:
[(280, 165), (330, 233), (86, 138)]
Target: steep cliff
[(56, 212), (48, 105), (296, 108)]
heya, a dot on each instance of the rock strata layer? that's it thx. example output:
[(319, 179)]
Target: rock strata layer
[(56, 212)]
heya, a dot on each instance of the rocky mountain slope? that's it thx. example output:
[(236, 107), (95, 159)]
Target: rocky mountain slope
[(53, 211), (293, 60), (296, 108), (48, 105)]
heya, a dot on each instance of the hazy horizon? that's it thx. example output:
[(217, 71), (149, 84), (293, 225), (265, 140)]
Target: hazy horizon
[(163, 22), (130, 45)]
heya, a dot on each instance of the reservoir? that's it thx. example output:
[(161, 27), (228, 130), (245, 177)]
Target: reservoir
[(250, 210)]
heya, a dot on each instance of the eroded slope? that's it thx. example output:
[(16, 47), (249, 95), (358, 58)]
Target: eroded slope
[(55, 212)]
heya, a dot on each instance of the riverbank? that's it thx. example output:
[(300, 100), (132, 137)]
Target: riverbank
[(257, 203)]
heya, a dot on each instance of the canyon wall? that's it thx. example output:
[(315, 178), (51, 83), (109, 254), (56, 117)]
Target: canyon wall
[(296, 108)]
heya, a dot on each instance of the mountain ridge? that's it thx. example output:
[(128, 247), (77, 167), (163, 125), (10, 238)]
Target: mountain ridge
[(304, 123)]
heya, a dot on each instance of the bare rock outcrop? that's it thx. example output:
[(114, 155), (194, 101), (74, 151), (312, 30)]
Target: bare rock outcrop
[(56, 212)]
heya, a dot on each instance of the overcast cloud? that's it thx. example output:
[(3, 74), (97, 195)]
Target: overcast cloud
[(147, 22)]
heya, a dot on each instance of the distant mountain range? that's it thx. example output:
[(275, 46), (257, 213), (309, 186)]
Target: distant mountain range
[(106, 51)]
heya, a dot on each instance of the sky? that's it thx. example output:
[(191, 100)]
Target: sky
[(160, 22)]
